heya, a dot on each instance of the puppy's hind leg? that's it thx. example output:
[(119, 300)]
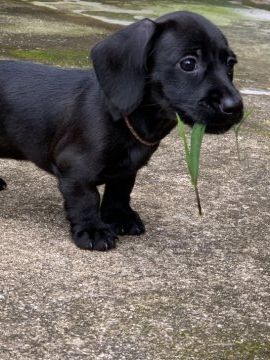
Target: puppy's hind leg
[(3, 184)]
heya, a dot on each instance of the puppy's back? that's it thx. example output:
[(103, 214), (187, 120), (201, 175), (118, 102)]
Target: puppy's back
[(36, 101)]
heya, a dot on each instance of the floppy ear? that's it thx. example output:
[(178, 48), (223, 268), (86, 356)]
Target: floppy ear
[(120, 65)]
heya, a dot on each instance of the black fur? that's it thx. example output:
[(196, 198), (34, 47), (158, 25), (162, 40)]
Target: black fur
[(71, 122)]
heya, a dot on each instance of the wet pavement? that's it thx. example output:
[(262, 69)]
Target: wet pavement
[(191, 287)]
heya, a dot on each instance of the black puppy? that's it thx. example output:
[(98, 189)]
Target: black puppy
[(92, 127)]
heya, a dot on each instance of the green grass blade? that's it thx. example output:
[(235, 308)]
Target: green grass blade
[(193, 154), (183, 136), (197, 133), (247, 114), (236, 129)]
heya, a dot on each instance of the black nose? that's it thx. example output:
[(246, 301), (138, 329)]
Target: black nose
[(230, 105)]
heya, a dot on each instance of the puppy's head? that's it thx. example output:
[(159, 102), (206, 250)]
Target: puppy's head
[(181, 61)]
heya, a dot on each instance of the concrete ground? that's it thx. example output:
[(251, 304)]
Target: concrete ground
[(190, 288)]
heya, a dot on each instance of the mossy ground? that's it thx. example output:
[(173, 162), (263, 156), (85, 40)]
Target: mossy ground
[(40, 34), (65, 58), (190, 288)]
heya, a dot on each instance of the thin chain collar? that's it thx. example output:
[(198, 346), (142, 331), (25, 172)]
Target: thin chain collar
[(138, 137)]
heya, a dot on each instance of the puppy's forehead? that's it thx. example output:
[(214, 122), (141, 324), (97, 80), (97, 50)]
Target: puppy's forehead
[(191, 31)]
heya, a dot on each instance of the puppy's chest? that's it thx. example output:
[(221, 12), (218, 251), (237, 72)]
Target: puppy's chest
[(126, 161)]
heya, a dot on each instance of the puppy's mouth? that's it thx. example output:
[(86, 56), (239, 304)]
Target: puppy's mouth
[(215, 123), (217, 130)]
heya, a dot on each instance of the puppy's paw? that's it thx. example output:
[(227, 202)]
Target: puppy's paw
[(101, 240), (125, 224), (3, 184)]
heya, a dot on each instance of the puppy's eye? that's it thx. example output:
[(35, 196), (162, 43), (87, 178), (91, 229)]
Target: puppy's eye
[(188, 64), (231, 62)]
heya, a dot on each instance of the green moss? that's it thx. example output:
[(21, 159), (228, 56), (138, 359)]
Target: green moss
[(182, 334), (221, 15), (218, 14), (111, 16), (240, 350), (248, 350), (51, 56)]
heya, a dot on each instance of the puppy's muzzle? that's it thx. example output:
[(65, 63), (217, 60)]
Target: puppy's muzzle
[(221, 115), (231, 106)]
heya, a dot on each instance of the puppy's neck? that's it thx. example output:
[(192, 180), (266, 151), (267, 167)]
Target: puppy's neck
[(150, 124), (138, 136)]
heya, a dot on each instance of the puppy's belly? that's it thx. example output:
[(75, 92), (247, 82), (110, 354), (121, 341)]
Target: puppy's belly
[(8, 151)]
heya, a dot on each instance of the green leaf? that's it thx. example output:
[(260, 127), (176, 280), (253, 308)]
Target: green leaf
[(247, 114), (236, 129), (183, 136), (193, 154), (197, 133)]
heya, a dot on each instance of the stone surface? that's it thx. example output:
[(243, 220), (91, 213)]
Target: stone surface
[(190, 288)]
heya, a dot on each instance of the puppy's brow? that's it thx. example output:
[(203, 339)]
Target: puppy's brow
[(234, 56), (225, 53), (197, 50), (192, 50)]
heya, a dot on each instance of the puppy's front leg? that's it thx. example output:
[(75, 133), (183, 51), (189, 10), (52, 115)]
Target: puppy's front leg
[(82, 204), (116, 210), (3, 184)]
